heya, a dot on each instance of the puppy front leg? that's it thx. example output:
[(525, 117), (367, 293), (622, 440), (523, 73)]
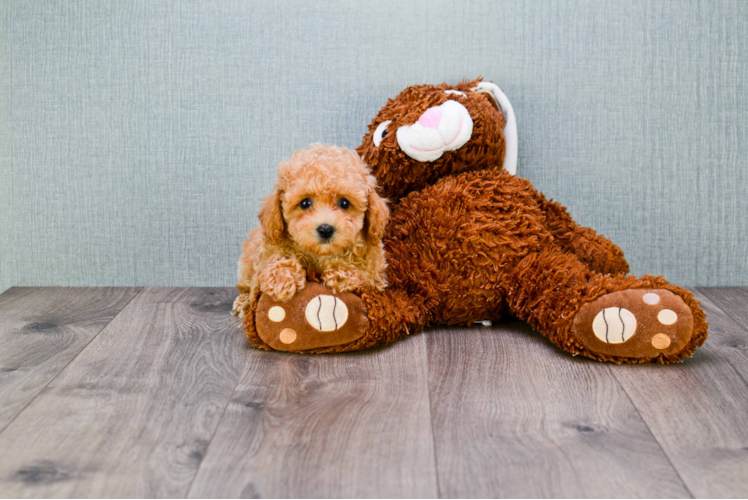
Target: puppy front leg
[(281, 277), (242, 304), (343, 279)]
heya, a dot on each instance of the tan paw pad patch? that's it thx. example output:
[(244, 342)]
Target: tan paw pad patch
[(326, 313), (651, 298), (667, 317), (287, 336), (660, 341), (276, 314), (614, 325)]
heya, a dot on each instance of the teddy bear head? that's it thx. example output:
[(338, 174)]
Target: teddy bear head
[(431, 131)]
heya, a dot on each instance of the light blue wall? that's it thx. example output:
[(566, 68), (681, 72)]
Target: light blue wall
[(136, 138)]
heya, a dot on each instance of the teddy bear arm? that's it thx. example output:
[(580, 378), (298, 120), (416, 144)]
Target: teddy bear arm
[(594, 250)]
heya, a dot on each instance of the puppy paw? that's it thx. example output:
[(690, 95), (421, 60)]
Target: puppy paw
[(313, 319), (636, 323), (242, 305), (343, 280), (282, 278)]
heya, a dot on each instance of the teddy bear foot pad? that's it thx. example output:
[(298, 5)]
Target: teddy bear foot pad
[(636, 323), (314, 318)]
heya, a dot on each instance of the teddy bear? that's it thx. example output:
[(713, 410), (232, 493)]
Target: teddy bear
[(468, 241)]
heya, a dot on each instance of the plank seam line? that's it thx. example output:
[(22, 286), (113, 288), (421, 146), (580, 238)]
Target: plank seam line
[(431, 414), (729, 318), (71, 360), (218, 426), (703, 290), (649, 429)]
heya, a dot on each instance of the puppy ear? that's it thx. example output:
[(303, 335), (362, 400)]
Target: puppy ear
[(271, 218), (377, 216)]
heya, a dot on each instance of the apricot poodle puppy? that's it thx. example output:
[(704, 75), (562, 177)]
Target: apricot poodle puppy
[(324, 222)]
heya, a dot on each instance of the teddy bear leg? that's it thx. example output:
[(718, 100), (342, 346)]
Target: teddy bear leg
[(594, 250), (318, 320), (623, 319)]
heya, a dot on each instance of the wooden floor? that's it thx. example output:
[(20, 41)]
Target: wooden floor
[(126, 392)]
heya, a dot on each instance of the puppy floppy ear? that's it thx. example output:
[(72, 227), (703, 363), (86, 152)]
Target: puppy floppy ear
[(271, 218), (377, 216)]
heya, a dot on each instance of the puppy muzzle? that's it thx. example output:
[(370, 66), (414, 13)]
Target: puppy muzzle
[(325, 232)]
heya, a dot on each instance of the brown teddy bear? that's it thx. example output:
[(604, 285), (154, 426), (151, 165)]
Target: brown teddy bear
[(468, 241)]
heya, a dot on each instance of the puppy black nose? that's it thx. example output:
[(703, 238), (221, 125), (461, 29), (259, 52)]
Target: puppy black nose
[(325, 231)]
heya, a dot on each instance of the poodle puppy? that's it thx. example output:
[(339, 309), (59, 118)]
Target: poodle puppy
[(324, 222)]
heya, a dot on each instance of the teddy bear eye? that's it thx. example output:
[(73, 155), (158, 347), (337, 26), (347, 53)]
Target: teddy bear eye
[(305, 203), (380, 133), (455, 92), (344, 204)]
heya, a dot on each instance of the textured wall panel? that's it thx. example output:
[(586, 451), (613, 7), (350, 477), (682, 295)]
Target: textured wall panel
[(7, 256), (136, 138)]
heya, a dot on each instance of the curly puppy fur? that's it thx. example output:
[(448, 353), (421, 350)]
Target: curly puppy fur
[(323, 222)]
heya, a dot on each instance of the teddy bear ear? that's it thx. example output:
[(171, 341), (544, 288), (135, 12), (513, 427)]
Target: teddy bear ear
[(510, 128)]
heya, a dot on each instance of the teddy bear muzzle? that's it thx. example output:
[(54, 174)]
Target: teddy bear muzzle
[(439, 129)]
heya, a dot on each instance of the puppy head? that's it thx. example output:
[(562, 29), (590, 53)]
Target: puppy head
[(324, 199)]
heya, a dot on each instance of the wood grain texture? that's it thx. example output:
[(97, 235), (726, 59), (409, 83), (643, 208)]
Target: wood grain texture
[(514, 416), (346, 425), (168, 400), (42, 330), (698, 410), (132, 415), (731, 301)]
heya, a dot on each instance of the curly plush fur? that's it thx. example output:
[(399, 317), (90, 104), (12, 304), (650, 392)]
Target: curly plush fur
[(320, 186), (467, 242)]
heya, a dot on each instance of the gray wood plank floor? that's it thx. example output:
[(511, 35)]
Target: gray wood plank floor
[(698, 410), (155, 393), (346, 425), (42, 330), (512, 418)]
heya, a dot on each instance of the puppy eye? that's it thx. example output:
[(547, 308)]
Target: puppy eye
[(344, 204), (305, 203), (380, 133)]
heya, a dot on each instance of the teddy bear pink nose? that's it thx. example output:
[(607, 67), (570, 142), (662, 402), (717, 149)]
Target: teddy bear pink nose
[(431, 118)]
